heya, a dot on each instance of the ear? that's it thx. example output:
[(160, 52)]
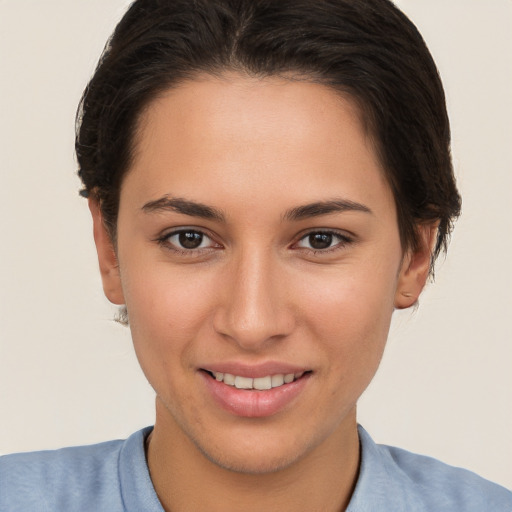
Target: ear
[(415, 267), (107, 257)]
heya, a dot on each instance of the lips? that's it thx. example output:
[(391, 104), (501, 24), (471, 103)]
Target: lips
[(254, 392)]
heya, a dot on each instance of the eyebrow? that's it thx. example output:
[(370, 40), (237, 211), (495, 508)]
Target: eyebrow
[(324, 208), (183, 206), (195, 209)]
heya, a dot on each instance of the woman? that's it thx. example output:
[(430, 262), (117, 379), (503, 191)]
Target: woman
[(268, 182)]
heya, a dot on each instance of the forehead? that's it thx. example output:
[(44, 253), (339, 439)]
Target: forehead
[(236, 105), (255, 136)]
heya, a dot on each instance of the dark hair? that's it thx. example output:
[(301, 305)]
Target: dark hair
[(366, 49)]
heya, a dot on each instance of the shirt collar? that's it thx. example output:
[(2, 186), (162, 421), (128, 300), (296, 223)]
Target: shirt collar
[(381, 484), (137, 489)]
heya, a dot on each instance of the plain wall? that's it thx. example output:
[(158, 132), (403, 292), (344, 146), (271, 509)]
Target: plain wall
[(68, 374)]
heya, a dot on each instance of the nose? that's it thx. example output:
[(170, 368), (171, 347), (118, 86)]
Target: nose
[(253, 308)]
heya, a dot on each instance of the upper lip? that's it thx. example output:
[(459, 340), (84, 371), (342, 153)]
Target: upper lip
[(254, 370)]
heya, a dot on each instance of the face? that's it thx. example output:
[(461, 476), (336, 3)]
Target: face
[(260, 263)]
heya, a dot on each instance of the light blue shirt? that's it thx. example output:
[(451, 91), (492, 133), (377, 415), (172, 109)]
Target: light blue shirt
[(114, 477)]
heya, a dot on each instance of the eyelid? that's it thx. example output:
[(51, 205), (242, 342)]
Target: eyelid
[(163, 240), (345, 239)]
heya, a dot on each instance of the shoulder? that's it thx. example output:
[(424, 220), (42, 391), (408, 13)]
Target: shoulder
[(407, 481), (71, 479), (447, 486)]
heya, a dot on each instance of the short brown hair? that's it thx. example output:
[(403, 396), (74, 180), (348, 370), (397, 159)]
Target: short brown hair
[(367, 49)]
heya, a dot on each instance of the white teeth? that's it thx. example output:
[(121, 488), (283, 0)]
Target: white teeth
[(258, 383), (243, 382), (263, 383), (229, 379), (277, 380)]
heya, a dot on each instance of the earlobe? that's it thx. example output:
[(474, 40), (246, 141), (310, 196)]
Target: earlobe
[(415, 268), (107, 257)]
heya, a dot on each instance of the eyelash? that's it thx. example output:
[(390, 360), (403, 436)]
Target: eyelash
[(343, 241), (164, 241)]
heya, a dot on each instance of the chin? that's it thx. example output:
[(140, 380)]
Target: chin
[(254, 463), (258, 452)]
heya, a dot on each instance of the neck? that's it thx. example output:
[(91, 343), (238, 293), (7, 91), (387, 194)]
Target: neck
[(186, 480)]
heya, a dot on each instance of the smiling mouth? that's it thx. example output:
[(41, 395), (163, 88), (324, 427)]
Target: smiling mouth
[(257, 383)]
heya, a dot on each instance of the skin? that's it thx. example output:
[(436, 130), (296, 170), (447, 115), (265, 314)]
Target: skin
[(256, 291)]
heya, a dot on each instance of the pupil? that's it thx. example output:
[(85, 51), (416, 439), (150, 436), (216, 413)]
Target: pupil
[(320, 240), (190, 239)]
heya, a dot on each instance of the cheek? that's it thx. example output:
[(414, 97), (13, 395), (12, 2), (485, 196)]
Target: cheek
[(167, 311), (349, 312)]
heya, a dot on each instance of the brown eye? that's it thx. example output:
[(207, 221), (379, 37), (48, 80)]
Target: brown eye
[(323, 241), (190, 239), (320, 240)]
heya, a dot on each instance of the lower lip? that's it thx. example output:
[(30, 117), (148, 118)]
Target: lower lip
[(253, 403)]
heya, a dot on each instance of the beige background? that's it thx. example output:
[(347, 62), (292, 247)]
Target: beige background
[(68, 373)]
